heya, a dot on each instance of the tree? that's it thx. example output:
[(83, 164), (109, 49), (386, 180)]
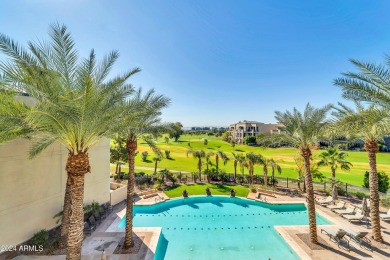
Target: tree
[(223, 156), (251, 160), (76, 106), (208, 159), (156, 159), (205, 142), (144, 156), (383, 181), (371, 125), (233, 143), (236, 160), (226, 137), (199, 155), (166, 138), (175, 131), (303, 130), (140, 119), (118, 153), (274, 166), (250, 139), (334, 158)]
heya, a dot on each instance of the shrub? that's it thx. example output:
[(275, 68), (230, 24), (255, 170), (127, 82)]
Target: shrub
[(250, 139), (253, 188), (94, 207), (167, 154), (240, 179), (223, 176), (157, 186), (340, 191), (205, 142), (40, 238), (142, 180), (383, 181), (166, 139), (360, 195), (385, 201), (225, 137), (195, 176), (144, 156)]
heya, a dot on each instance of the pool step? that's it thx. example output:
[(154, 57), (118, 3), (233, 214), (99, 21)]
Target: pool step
[(225, 215), (219, 228)]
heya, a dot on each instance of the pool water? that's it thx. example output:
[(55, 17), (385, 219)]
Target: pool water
[(220, 227)]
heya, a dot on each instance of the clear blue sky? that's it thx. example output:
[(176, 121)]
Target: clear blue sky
[(220, 61)]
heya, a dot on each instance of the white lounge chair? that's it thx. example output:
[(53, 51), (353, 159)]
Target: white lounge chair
[(325, 201), (357, 217), (349, 210), (385, 216), (336, 235), (339, 205)]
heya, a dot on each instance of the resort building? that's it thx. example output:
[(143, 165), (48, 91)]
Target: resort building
[(240, 130), (33, 190)]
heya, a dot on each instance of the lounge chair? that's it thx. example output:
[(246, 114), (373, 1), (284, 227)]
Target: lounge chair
[(348, 211), (339, 205), (385, 216), (357, 217), (325, 201), (359, 237), (336, 235)]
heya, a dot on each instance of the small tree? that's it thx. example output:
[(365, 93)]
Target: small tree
[(156, 160), (175, 131), (383, 181), (233, 143), (166, 138), (225, 137), (167, 154), (144, 156), (205, 142), (250, 139)]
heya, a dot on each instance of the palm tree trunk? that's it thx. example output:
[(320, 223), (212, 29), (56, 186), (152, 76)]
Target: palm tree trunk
[(306, 153), (273, 176), (117, 168), (372, 148), (66, 213), (77, 166), (235, 170), (131, 147), (216, 162), (155, 167), (334, 189), (265, 175), (200, 168)]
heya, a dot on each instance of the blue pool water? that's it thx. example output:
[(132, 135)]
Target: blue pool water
[(220, 227)]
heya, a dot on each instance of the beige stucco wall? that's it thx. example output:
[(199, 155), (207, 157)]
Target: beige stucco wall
[(32, 191), (118, 195)]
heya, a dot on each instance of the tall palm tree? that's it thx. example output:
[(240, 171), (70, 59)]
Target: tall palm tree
[(241, 159), (199, 155), (334, 158), (371, 125), (208, 159), (142, 118), (236, 158), (156, 159), (303, 130), (75, 105), (223, 156), (274, 166), (251, 160)]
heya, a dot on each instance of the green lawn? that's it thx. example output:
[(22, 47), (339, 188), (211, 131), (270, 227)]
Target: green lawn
[(284, 156), (200, 189)]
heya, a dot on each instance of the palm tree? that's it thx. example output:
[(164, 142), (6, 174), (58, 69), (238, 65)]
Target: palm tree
[(208, 159), (334, 158), (236, 160), (75, 105), (223, 156), (141, 119), (274, 166), (303, 130), (198, 155), (371, 125), (251, 160), (156, 159), (241, 159)]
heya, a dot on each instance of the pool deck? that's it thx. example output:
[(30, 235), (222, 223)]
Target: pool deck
[(108, 235), (329, 249)]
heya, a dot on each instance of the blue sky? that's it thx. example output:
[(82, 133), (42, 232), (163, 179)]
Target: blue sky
[(220, 61)]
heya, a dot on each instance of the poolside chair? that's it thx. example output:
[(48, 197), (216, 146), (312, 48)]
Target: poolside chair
[(88, 228), (385, 216), (360, 238), (348, 211), (359, 216), (325, 201), (339, 205), (336, 235)]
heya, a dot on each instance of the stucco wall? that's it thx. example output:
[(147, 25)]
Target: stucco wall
[(32, 191), (118, 195)]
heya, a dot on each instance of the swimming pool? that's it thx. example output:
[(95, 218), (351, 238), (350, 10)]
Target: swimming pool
[(220, 227)]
